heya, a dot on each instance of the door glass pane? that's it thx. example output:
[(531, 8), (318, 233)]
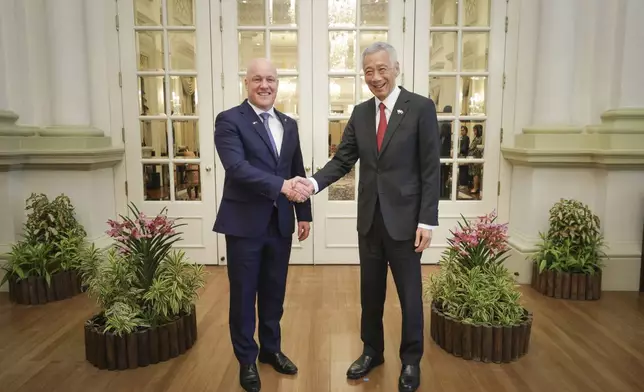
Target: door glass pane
[(342, 12), (470, 179), (446, 181), (442, 53), (283, 12), (182, 50), (369, 37), (184, 95), (181, 12), (251, 45), (444, 12), (251, 13), (156, 182), (374, 12), (442, 90), (342, 95), (365, 93), (345, 188), (284, 50), (151, 95), (185, 139), (474, 52), (473, 93), (154, 139), (342, 51), (287, 96), (336, 128), (187, 181), (149, 50), (147, 12), (477, 13)]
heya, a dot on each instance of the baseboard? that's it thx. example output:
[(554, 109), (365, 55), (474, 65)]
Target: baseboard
[(621, 272)]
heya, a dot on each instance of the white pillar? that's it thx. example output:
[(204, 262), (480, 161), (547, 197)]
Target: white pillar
[(68, 63), (555, 62), (632, 70), (4, 87)]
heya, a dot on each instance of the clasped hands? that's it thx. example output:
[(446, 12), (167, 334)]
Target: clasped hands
[(298, 189)]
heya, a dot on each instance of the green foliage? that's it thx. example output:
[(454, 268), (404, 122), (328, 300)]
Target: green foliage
[(574, 242), (141, 281), (52, 241), (473, 286)]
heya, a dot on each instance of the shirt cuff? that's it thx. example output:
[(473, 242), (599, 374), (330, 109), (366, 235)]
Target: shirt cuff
[(424, 226), (315, 184)]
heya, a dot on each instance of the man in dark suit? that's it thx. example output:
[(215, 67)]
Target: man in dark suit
[(395, 136), (260, 151)]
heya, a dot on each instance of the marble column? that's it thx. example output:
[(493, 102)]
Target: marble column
[(632, 64), (555, 67), (68, 63)]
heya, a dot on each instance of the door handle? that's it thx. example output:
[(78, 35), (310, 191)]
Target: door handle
[(308, 169), (208, 168)]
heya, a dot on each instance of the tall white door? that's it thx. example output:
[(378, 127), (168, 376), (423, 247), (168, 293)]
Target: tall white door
[(168, 109), (459, 56), (281, 31), (342, 29)]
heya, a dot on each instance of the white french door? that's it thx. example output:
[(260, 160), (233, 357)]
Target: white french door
[(459, 60), (341, 31), (167, 88), (279, 30)]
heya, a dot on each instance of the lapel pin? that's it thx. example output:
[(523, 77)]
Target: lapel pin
[(254, 122), (399, 111)]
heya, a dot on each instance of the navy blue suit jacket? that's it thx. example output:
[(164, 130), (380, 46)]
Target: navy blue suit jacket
[(254, 175)]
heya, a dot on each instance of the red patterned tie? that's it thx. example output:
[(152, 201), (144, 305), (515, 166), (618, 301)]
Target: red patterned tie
[(382, 125)]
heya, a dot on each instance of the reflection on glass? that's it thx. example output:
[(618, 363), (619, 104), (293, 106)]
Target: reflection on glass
[(444, 12), (287, 95), (342, 12), (477, 13), (182, 50), (156, 181), (336, 128), (470, 177), (284, 50), (147, 12), (187, 181), (369, 37), (365, 93), (446, 181), (342, 50), (243, 94), (345, 188), (474, 52), (475, 128), (151, 95), (374, 12), (442, 53), (251, 45), (184, 95), (154, 141), (181, 12), (473, 95), (442, 90), (342, 95), (446, 137), (185, 134), (283, 12), (149, 49), (251, 13)]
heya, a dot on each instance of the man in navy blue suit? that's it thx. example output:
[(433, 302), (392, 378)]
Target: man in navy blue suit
[(260, 150)]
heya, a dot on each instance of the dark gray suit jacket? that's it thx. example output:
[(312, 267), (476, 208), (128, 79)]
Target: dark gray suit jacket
[(404, 176)]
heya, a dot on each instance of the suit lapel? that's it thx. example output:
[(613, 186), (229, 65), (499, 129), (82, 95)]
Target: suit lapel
[(257, 124), (287, 124), (370, 123), (397, 114)]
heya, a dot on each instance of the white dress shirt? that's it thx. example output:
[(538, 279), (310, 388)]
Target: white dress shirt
[(274, 123), (389, 102)]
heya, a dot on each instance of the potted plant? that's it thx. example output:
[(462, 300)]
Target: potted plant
[(568, 263), (475, 308), (146, 293), (43, 266)]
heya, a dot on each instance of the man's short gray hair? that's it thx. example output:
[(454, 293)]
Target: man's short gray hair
[(379, 46)]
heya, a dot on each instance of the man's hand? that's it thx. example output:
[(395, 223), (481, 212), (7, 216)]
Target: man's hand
[(296, 189), (303, 230), (423, 239)]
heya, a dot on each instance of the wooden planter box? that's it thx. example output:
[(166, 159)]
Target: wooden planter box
[(481, 343), (566, 285), (35, 291), (141, 348)]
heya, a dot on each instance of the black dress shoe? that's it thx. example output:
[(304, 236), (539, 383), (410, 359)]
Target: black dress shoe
[(409, 380), (362, 366), (279, 361), (249, 378)]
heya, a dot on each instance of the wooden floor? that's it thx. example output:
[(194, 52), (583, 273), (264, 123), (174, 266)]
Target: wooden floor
[(576, 346)]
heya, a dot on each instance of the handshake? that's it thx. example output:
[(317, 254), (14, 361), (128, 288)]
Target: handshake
[(298, 189)]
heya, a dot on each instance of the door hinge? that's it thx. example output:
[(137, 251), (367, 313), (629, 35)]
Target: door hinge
[(498, 188), (120, 79), (123, 134), (116, 22), (404, 24), (501, 135), (221, 23), (504, 80), (507, 21), (126, 191), (222, 80)]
